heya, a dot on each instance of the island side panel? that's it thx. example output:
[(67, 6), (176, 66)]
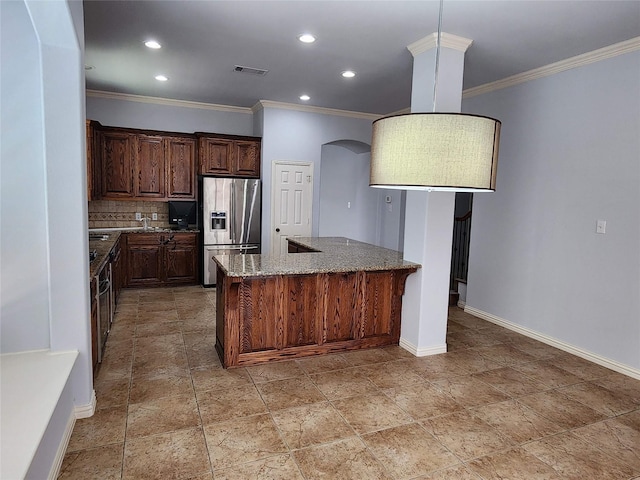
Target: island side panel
[(228, 314), (264, 319)]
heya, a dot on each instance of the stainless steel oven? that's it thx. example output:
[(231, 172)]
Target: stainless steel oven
[(104, 294)]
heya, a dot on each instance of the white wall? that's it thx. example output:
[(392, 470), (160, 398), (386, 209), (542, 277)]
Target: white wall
[(24, 274), (569, 155), (349, 207), (298, 136), (171, 118), (44, 301)]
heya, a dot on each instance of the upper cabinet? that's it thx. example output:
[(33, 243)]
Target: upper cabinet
[(131, 164), (117, 154), (93, 187), (181, 167), (143, 165), (226, 155), (149, 172)]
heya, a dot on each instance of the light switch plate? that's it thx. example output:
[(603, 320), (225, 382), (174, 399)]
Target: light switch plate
[(601, 226)]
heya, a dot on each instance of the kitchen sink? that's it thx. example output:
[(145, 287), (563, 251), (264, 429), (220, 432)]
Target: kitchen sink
[(95, 236)]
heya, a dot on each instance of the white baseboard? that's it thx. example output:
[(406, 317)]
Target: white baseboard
[(81, 411), (86, 411), (567, 347), (422, 352), (62, 448)]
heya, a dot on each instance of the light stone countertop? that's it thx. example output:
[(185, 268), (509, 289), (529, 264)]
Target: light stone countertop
[(334, 255)]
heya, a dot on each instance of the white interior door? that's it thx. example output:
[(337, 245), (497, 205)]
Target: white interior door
[(292, 199)]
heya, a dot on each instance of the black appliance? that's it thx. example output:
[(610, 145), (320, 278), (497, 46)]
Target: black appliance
[(182, 214)]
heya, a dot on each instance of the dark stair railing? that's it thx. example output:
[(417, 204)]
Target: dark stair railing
[(460, 251)]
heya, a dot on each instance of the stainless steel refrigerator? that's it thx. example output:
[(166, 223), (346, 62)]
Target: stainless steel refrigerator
[(231, 220)]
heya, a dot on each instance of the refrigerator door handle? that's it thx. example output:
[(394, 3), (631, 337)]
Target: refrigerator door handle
[(231, 247), (233, 212)]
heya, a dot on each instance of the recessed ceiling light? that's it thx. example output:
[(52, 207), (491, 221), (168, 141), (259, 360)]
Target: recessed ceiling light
[(89, 67), (161, 78), (307, 38), (348, 74), (152, 44), (305, 98)]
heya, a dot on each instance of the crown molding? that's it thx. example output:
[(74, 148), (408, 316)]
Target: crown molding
[(228, 108), (261, 104), (557, 67), (447, 40), (166, 101)]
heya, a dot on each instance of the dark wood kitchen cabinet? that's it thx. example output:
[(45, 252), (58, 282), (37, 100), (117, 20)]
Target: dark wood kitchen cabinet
[(93, 287), (226, 155), (144, 258), (180, 160), (146, 165), (181, 258), (149, 172), (134, 164), (161, 259), (93, 175), (117, 153), (117, 269)]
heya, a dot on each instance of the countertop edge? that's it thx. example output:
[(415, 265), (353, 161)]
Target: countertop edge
[(320, 255)]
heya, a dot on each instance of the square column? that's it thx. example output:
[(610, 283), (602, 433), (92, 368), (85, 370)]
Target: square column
[(429, 216)]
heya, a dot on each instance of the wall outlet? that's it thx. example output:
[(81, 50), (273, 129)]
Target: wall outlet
[(138, 216), (154, 216)]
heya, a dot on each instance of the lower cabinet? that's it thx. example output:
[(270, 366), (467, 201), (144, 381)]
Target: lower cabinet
[(94, 322), (117, 272), (161, 259)]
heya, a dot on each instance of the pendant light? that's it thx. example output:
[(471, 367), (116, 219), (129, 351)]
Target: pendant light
[(435, 151)]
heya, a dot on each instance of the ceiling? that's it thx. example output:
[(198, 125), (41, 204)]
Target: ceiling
[(202, 41)]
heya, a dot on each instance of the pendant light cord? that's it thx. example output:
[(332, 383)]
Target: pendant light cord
[(438, 41)]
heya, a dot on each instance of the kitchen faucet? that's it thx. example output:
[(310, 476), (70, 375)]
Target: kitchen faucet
[(145, 221)]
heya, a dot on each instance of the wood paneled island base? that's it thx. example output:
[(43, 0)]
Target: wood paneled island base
[(263, 318)]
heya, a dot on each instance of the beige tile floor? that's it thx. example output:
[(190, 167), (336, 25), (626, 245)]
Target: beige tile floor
[(496, 406)]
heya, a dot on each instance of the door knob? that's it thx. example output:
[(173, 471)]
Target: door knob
[(277, 229)]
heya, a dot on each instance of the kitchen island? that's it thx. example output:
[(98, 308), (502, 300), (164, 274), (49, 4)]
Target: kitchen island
[(333, 295)]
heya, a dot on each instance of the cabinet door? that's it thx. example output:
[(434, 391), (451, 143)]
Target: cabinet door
[(144, 260), (94, 323), (180, 164), (247, 159), (149, 172), (117, 153), (91, 162), (181, 258), (380, 311), (342, 309), (302, 311), (116, 272), (216, 156)]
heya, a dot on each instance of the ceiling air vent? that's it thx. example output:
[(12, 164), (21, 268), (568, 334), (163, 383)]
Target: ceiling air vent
[(253, 71)]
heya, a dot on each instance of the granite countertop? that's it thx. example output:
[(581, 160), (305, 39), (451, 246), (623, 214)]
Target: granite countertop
[(334, 255), (102, 249), (142, 230)]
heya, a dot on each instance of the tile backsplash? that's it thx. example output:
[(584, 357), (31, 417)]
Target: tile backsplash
[(114, 214)]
